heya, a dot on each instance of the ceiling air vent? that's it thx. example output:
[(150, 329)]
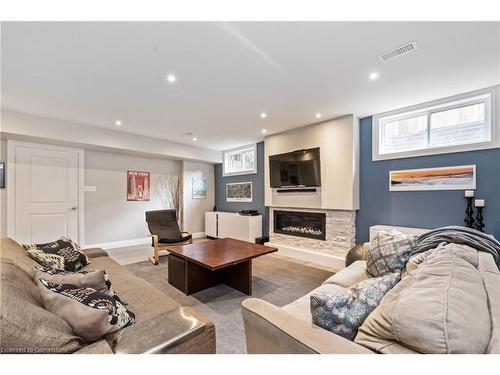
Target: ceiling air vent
[(402, 50)]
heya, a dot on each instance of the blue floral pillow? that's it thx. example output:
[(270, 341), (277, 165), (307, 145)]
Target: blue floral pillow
[(389, 252), (344, 313)]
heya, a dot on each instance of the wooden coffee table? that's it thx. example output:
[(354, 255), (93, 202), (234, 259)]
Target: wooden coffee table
[(199, 266)]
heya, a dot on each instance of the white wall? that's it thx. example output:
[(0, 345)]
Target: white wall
[(338, 141), (109, 217), (194, 209)]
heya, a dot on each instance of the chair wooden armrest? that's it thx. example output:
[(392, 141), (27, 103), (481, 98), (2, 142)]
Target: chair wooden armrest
[(189, 234), (156, 250), (156, 247)]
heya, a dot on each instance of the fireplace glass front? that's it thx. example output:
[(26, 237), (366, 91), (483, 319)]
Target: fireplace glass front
[(300, 224)]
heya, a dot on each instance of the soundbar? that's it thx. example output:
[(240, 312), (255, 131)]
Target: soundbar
[(297, 190)]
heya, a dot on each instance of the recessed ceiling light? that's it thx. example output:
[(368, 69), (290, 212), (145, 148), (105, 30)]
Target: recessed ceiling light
[(264, 131), (317, 115), (195, 139), (263, 115), (171, 78), (373, 76), (118, 123)]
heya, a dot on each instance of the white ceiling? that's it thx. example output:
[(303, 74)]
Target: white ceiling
[(95, 73)]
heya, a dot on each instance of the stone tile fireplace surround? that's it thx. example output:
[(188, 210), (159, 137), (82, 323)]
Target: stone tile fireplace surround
[(339, 232)]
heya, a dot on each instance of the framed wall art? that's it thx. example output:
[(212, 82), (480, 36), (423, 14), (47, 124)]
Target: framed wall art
[(442, 178), (200, 186), (138, 186), (239, 192)]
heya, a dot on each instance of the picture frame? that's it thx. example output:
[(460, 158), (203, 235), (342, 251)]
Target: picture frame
[(138, 186), (239, 192), (199, 188), (462, 177)]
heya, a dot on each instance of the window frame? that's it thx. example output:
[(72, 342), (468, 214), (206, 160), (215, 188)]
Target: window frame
[(234, 151), (488, 96)]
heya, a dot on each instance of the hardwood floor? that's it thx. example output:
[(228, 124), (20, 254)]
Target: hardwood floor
[(140, 253)]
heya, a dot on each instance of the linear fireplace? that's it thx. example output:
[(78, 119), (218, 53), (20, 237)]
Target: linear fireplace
[(300, 224)]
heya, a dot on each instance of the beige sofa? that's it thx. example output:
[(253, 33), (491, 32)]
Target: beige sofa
[(162, 326), (446, 287)]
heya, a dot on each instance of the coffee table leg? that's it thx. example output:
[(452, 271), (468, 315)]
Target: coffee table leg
[(238, 276), (198, 278), (177, 272)]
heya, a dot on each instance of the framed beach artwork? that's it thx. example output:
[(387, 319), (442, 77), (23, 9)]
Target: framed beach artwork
[(200, 186), (443, 178), (239, 192), (138, 186)]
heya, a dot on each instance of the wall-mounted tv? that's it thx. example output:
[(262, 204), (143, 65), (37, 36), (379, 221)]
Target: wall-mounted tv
[(300, 168)]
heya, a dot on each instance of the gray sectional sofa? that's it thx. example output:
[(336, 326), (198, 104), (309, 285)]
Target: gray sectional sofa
[(162, 326), (449, 303)]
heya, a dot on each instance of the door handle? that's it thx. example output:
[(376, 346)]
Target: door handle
[(74, 208)]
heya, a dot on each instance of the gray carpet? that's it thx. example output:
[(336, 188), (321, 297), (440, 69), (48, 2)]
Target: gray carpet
[(275, 280)]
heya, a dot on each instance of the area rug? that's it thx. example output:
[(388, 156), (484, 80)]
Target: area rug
[(275, 280)]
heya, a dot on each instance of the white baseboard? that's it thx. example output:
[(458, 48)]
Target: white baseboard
[(134, 242), (310, 256), (115, 244)]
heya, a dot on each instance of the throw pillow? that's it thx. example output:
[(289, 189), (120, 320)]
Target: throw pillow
[(344, 313), (90, 313), (61, 255), (98, 280), (388, 253)]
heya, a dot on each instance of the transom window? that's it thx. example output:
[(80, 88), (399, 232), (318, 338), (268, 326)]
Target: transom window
[(240, 161), (444, 127)]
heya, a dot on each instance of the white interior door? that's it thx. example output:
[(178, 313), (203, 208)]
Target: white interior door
[(46, 193)]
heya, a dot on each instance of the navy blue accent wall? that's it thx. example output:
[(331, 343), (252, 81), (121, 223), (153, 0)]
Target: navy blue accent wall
[(257, 190), (426, 209)]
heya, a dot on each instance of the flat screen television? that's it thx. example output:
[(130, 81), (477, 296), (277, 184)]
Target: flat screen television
[(300, 168)]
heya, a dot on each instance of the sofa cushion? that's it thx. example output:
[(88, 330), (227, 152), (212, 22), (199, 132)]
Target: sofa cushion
[(141, 297), (94, 252), (301, 308), (12, 251), (344, 313), (90, 313), (63, 255), (388, 253), (416, 260), (25, 326), (491, 278), (431, 309), (349, 276)]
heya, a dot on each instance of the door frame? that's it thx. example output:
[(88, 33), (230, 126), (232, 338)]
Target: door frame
[(11, 184)]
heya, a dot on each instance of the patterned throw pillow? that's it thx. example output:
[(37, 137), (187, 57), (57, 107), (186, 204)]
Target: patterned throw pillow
[(344, 313), (61, 255), (388, 253), (98, 280), (90, 313)]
